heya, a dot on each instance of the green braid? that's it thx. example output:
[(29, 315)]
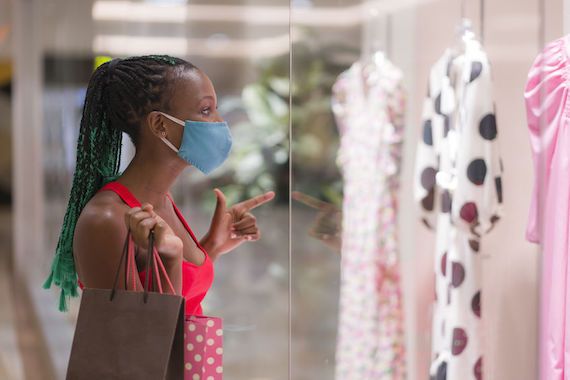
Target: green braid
[(120, 93)]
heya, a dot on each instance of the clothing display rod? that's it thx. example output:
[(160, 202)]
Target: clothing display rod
[(481, 17)]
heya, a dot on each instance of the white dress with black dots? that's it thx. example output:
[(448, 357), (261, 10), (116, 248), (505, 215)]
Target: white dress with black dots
[(458, 185)]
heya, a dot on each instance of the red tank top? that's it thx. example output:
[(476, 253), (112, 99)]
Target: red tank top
[(196, 279)]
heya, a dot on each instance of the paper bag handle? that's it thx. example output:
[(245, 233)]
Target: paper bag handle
[(153, 258)]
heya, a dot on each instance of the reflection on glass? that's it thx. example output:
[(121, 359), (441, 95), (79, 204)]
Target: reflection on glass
[(327, 225)]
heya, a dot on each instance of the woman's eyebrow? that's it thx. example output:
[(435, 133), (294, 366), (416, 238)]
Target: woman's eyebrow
[(204, 97)]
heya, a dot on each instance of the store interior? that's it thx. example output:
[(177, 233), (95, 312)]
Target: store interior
[(280, 69)]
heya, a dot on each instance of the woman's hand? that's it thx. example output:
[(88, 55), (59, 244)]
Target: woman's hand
[(230, 227), (141, 220), (327, 225)]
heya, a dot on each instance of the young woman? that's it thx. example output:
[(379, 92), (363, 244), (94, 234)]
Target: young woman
[(168, 107)]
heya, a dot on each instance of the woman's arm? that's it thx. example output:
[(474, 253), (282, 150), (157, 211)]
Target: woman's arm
[(98, 243)]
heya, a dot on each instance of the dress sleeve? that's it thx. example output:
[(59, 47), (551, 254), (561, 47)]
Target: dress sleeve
[(426, 165), (339, 100), (478, 196), (545, 93), (339, 111), (396, 108)]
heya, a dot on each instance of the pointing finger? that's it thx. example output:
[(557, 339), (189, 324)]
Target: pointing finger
[(309, 200), (256, 201)]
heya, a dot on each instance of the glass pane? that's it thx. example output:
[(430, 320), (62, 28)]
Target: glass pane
[(243, 47), (364, 266)]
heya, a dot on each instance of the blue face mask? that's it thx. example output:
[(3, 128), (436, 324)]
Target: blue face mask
[(205, 144)]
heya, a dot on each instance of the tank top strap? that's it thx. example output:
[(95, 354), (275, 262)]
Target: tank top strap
[(183, 220), (122, 192)]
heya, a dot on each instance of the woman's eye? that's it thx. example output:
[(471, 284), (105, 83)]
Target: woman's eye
[(205, 109)]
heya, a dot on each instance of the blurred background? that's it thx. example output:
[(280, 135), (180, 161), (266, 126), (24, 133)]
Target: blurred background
[(273, 64), (243, 46)]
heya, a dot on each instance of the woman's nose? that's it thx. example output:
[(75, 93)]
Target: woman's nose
[(218, 118)]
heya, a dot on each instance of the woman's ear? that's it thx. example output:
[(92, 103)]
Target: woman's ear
[(156, 124)]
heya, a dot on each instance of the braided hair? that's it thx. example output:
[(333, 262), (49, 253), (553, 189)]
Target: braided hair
[(120, 94)]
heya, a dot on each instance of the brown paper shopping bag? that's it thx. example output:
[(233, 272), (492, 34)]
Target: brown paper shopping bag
[(126, 334)]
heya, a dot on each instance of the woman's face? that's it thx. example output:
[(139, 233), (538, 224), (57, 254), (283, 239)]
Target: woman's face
[(193, 98)]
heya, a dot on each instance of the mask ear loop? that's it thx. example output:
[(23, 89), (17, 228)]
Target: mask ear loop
[(165, 140), (174, 119)]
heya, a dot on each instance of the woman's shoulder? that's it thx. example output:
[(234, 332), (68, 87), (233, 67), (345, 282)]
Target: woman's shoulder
[(103, 213), (98, 237), (103, 205)]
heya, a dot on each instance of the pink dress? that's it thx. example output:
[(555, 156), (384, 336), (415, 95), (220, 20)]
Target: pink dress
[(548, 115)]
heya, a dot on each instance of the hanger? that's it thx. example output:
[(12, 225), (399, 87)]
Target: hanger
[(375, 52), (464, 33)]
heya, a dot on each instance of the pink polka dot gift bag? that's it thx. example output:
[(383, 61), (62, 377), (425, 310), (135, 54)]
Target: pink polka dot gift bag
[(203, 348)]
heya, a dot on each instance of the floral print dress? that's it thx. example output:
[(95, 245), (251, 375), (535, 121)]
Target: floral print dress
[(368, 105)]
